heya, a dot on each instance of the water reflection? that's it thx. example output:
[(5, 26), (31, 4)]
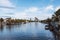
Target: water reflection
[(55, 35), (10, 27), (1, 27), (28, 31), (36, 24)]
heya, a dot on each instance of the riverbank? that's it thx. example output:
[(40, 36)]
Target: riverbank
[(10, 21)]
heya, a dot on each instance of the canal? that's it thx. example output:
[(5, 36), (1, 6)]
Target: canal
[(28, 31)]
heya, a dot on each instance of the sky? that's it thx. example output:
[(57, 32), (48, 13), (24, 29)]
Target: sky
[(25, 9)]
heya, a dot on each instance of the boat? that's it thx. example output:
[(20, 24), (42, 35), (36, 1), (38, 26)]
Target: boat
[(47, 27)]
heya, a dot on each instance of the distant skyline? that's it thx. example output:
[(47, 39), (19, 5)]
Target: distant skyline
[(26, 9)]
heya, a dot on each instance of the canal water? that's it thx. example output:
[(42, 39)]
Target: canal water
[(28, 31)]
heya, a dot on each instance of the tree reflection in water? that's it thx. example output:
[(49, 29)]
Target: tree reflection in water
[(55, 35), (10, 27), (1, 27)]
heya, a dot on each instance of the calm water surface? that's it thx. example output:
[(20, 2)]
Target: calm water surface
[(28, 31)]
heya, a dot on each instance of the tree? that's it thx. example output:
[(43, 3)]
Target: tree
[(57, 13), (1, 20), (48, 20)]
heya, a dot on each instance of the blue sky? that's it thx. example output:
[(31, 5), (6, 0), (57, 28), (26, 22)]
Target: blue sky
[(26, 9)]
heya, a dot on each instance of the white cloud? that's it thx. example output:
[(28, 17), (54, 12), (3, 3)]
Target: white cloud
[(5, 10), (58, 7), (5, 6), (44, 16), (50, 7), (20, 15), (37, 12), (32, 12), (32, 9), (6, 3), (28, 12)]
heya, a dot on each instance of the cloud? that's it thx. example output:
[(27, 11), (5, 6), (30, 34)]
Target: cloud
[(41, 13), (9, 13), (44, 16), (32, 12), (58, 7), (7, 10), (6, 6), (32, 9), (50, 7), (6, 3), (20, 15)]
